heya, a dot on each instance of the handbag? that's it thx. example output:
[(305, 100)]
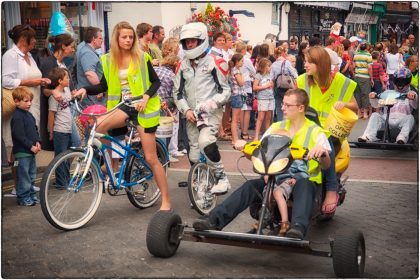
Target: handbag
[(254, 104), (284, 80), (8, 104)]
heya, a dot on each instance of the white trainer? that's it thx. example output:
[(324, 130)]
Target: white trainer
[(221, 187), (36, 189), (177, 154), (173, 159)]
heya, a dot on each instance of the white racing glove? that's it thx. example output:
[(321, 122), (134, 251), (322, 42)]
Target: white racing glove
[(207, 106)]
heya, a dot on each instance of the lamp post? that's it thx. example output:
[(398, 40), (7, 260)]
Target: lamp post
[(286, 6)]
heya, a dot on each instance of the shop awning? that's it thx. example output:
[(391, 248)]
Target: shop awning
[(361, 18), (334, 5)]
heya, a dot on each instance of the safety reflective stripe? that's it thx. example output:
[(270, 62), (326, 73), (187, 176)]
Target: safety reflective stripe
[(324, 115), (344, 89), (307, 87), (149, 115), (113, 98), (308, 136), (283, 125), (143, 71)]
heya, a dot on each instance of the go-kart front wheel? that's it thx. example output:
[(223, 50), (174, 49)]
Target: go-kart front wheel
[(163, 234), (348, 253)]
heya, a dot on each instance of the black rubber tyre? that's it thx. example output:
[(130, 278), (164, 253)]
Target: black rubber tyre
[(199, 190), (349, 254), (146, 194), (163, 234)]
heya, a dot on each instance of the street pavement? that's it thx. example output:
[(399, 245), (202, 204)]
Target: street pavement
[(381, 202)]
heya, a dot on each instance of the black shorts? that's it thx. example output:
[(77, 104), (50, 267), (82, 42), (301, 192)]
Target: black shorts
[(132, 115)]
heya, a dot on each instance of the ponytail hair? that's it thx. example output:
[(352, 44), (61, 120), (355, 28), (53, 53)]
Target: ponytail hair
[(235, 59)]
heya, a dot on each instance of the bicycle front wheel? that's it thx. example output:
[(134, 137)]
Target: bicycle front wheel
[(200, 182), (145, 194), (63, 203)]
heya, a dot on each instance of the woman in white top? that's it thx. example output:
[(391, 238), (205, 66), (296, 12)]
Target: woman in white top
[(19, 69), (393, 61)]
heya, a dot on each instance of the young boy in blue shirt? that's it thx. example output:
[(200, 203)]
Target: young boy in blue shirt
[(26, 143)]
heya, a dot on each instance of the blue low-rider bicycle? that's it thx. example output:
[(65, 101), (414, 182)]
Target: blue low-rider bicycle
[(71, 187)]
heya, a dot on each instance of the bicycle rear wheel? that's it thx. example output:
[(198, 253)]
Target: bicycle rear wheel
[(63, 205), (145, 194), (200, 182)]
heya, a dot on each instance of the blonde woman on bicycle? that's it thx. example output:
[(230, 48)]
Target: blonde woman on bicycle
[(128, 72)]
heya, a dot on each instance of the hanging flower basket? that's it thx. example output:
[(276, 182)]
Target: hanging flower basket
[(216, 20)]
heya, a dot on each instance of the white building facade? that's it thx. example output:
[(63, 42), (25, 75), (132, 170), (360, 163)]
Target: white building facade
[(171, 15)]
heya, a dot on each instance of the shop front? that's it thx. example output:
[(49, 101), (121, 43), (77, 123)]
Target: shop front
[(308, 19), (38, 16)]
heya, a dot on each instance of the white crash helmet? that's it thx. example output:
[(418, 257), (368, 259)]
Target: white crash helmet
[(194, 30)]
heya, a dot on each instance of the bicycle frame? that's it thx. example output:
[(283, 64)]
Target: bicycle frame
[(94, 142)]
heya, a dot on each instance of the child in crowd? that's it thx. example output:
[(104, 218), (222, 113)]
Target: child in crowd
[(378, 72), (284, 185), (292, 60), (236, 82), (263, 85), (60, 120), (26, 143)]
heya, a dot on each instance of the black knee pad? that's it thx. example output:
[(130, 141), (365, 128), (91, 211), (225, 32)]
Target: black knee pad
[(212, 152)]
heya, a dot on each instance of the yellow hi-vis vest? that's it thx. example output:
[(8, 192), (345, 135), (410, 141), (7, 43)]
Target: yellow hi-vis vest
[(138, 82), (341, 89), (415, 81), (305, 137)]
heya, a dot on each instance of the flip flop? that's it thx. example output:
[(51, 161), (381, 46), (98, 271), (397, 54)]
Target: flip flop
[(332, 210)]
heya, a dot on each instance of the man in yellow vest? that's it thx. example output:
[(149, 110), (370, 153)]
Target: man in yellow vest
[(303, 133)]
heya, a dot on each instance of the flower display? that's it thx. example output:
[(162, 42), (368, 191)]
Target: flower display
[(216, 20)]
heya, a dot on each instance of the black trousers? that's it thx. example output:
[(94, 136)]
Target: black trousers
[(303, 196)]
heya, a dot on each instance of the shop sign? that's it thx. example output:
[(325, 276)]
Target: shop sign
[(325, 25), (336, 5), (361, 18), (107, 7)]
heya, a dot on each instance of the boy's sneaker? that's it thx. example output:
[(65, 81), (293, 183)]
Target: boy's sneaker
[(35, 199), (36, 188), (26, 202), (221, 187)]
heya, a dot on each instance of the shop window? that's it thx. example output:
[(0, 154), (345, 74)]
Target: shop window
[(275, 14), (38, 16), (77, 14)]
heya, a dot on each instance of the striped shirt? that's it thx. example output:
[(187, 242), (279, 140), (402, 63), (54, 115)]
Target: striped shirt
[(362, 59), (377, 70)]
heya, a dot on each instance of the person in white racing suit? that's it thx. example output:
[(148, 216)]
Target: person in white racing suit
[(200, 90)]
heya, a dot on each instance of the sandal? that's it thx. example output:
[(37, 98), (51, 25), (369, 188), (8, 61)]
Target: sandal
[(284, 228), (245, 136), (224, 138), (332, 210)]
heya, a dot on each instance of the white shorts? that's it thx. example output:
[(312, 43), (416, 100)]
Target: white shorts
[(265, 105)]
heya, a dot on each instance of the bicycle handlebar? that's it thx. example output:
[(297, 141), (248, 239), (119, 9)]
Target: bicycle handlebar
[(128, 102)]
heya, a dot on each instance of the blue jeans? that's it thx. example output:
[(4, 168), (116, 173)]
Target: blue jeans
[(62, 141), (278, 97), (329, 175), (303, 196), (25, 178), (377, 87)]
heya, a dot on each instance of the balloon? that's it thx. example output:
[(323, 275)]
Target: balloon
[(59, 25), (92, 109)]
